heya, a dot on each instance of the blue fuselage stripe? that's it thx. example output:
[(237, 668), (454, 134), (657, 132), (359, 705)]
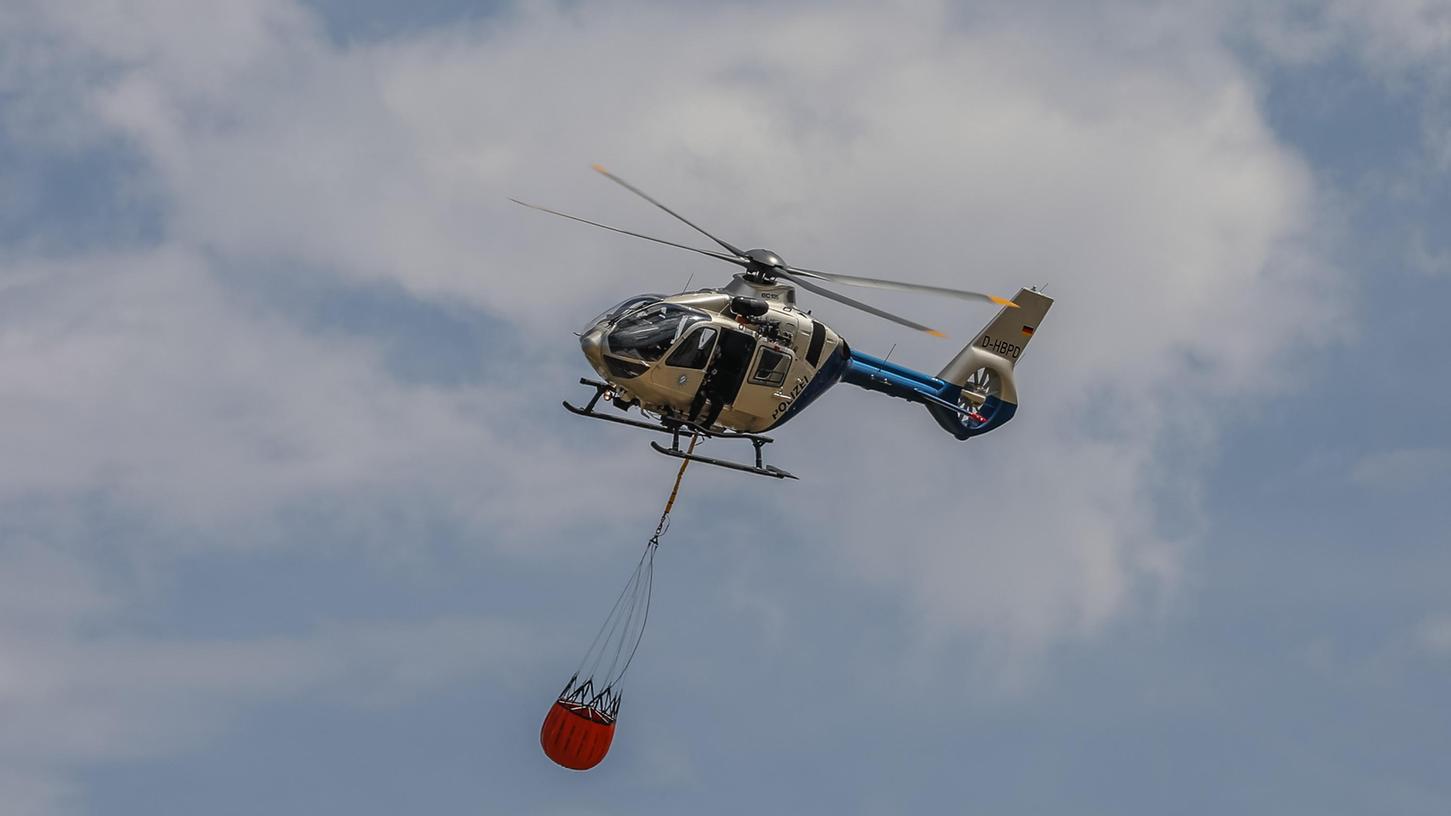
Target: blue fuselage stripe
[(877, 364), (876, 374), (828, 375)]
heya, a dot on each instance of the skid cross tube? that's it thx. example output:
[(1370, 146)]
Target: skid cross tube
[(757, 441), (759, 469), (675, 427)]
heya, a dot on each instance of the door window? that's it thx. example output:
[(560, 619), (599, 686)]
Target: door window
[(694, 351), (771, 367)]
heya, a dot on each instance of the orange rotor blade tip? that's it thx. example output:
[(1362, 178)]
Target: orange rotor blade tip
[(599, 168), (1004, 302), (935, 333)]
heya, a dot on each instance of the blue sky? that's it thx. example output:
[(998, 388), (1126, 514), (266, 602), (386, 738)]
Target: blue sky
[(292, 523)]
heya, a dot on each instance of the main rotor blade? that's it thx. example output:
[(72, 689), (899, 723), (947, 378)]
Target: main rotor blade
[(726, 258), (804, 283), (641, 193), (878, 283)]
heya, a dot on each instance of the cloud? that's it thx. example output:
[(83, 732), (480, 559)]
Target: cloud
[(1390, 37), (1140, 178), (28, 792), (74, 696), (1131, 169), (79, 684), (1401, 469), (1424, 257), (139, 378), (1435, 634)]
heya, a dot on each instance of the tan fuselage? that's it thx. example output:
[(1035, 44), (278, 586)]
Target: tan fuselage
[(766, 392)]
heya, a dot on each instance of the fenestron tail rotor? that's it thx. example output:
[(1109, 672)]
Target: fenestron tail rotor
[(765, 265)]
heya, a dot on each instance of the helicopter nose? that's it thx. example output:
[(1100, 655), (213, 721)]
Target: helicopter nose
[(592, 344)]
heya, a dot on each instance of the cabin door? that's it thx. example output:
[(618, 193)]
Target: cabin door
[(734, 351)]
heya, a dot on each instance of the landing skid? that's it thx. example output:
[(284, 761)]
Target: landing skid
[(759, 469), (675, 428)]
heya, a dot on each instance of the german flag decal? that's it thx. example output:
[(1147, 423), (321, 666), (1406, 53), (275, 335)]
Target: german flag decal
[(1027, 331)]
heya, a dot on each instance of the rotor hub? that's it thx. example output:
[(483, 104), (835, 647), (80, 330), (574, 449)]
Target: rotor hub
[(764, 262)]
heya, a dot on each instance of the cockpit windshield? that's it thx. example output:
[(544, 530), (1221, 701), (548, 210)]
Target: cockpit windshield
[(620, 308), (647, 333)]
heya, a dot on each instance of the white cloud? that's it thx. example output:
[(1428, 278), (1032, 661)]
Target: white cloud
[(1141, 180), (1397, 34), (138, 377), (75, 696), (1390, 37), (1132, 170)]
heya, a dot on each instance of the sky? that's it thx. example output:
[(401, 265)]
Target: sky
[(290, 521)]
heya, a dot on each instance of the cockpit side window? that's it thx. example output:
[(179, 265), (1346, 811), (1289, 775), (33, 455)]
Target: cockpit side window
[(694, 351), (771, 369), (647, 333)]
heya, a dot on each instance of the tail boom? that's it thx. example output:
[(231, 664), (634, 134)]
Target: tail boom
[(943, 399), (975, 392)]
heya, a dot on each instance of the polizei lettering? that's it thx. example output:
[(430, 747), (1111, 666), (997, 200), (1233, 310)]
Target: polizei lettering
[(1001, 347), (795, 392)]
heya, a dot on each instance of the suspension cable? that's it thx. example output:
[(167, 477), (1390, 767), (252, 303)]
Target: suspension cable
[(652, 547), (633, 600)]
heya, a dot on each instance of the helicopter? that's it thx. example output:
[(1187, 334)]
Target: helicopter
[(743, 359)]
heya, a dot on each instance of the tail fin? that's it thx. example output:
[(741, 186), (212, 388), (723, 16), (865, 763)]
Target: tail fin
[(1006, 336), (983, 370), (1008, 333)]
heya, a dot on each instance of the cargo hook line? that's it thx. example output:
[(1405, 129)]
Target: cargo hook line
[(653, 545), (621, 622)]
